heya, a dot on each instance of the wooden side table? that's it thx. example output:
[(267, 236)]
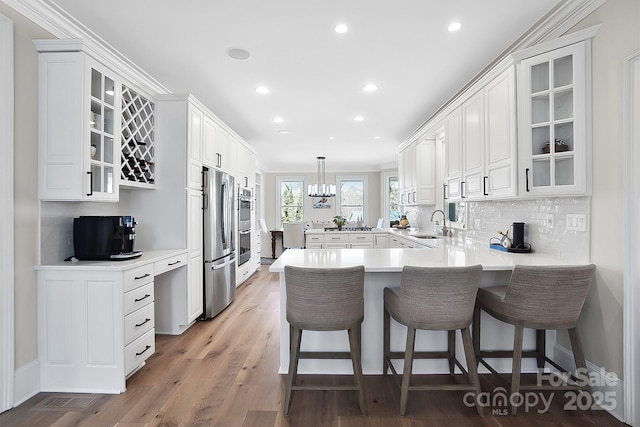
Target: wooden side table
[(274, 234)]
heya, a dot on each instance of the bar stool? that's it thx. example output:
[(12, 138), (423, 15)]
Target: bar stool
[(325, 299), (538, 297), (428, 298)]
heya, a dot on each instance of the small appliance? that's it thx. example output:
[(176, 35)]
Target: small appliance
[(104, 238)]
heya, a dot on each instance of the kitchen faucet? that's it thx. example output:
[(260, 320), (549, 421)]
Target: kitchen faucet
[(445, 231)]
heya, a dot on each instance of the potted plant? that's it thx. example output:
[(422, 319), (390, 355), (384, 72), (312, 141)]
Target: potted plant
[(339, 221)]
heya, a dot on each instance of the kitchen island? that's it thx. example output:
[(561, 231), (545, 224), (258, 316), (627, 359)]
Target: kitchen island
[(383, 268)]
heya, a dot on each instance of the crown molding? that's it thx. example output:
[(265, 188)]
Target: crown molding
[(552, 25), (63, 26)]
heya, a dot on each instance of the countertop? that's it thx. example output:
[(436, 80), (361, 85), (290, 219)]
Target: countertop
[(146, 258), (447, 253)]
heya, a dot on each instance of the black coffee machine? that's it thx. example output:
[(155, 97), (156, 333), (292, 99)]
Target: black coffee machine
[(104, 237), (517, 239)]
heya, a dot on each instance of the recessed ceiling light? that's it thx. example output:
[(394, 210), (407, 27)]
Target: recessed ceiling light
[(358, 118), (454, 26), (332, 137), (376, 137), (284, 132), (278, 120), (370, 87), (341, 28), (262, 89), (238, 54)]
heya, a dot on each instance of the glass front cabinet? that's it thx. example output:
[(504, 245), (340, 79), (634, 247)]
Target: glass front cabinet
[(79, 127), (554, 142)]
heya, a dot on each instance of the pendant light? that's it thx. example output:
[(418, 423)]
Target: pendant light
[(321, 189)]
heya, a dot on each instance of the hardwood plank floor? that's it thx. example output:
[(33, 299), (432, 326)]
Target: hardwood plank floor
[(224, 372)]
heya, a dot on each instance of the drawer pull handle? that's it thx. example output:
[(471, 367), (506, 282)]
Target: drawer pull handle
[(142, 277), (145, 349), (143, 298), (360, 237), (145, 321), (174, 263)]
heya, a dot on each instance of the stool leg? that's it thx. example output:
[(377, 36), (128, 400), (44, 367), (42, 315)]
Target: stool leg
[(472, 366), (406, 372), (541, 343), (476, 332), (386, 340), (451, 348), (355, 342), (517, 363), (296, 338), (578, 356)]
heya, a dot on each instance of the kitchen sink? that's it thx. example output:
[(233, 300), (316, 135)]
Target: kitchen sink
[(424, 236)]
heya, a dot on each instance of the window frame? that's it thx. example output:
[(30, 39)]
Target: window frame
[(365, 207), (279, 181)]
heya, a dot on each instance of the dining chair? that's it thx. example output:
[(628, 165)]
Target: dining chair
[(293, 235)]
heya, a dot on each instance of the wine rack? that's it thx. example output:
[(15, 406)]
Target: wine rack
[(137, 164)]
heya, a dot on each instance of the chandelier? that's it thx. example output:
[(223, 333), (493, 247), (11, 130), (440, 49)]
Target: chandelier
[(321, 189)]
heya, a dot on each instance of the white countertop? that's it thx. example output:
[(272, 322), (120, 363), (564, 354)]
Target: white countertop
[(448, 254), (147, 257)]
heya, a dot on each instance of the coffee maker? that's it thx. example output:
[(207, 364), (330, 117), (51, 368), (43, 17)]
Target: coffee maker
[(104, 237), (517, 239)]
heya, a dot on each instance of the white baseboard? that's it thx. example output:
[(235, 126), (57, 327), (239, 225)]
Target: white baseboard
[(608, 382), (26, 382)]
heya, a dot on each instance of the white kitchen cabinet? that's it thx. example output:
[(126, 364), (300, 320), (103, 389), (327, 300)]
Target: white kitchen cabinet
[(246, 166), (194, 288), (416, 170), (380, 240), (195, 136), (78, 125), (554, 142), (361, 240), (453, 154), (500, 179), (210, 155), (480, 143), (97, 320), (137, 165)]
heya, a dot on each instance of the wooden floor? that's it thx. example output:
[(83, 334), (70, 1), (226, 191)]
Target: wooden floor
[(224, 372)]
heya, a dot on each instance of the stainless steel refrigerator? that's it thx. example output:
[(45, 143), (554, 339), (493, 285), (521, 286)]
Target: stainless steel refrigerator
[(219, 247)]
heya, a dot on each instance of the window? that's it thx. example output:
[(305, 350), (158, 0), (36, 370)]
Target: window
[(291, 199), (352, 198), (395, 210)]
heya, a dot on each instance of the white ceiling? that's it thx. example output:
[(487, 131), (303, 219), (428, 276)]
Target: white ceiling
[(315, 74)]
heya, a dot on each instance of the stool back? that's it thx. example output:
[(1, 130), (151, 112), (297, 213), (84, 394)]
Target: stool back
[(325, 299), (550, 296), (439, 297)]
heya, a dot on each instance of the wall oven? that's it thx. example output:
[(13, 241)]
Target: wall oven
[(245, 205)]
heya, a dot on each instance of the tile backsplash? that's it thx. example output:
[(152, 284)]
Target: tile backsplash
[(545, 223)]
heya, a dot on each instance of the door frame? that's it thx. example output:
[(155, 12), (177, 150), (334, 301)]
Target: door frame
[(631, 273), (7, 369)]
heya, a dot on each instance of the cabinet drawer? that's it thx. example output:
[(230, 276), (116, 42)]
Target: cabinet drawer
[(336, 237), (360, 237), (139, 351), (137, 277), (138, 323), (138, 298), (314, 238), (170, 263), (314, 245)]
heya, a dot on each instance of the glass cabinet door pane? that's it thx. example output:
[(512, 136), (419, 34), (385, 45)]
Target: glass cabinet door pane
[(540, 77), (540, 137), (108, 150), (564, 171), (96, 178), (564, 136), (96, 147), (540, 109), (109, 91), (108, 120), (96, 84), (108, 179), (563, 105), (95, 116), (563, 71), (541, 173)]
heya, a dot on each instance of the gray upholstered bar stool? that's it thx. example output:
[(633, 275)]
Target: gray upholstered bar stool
[(538, 297), (440, 298), (325, 299)]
